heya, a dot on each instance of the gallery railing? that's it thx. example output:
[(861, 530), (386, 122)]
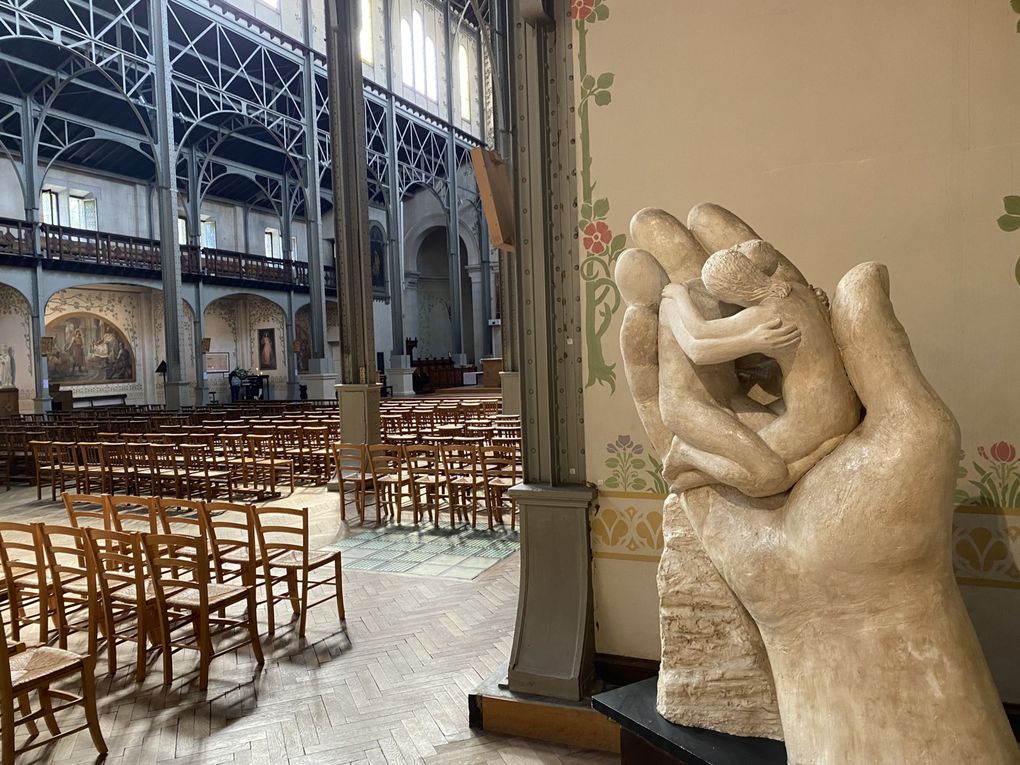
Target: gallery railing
[(64, 243)]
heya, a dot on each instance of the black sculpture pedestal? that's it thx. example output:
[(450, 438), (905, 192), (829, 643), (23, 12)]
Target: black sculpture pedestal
[(646, 738)]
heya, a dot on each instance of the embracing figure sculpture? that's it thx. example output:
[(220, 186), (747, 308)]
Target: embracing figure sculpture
[(806, 586)]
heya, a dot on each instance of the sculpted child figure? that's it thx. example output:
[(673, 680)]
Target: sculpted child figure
[(736, 441)]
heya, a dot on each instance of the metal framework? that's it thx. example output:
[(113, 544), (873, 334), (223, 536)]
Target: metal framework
[(196, 98)]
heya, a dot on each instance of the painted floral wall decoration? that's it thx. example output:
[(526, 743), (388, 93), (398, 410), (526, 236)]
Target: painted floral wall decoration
[(993, 478), (631, 469), (601, 247)]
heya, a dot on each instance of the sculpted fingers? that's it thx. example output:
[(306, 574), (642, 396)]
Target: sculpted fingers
[(878, 357), (669, 242)]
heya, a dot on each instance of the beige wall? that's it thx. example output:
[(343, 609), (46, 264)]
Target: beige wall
[(843, 131)]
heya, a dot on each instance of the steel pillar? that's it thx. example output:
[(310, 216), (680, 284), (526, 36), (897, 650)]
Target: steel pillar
[(176, 391)]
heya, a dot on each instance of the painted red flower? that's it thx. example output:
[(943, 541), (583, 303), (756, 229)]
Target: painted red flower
[(597, 237), (1003, 451), (581, 9)]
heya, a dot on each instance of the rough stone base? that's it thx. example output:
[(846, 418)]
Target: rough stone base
[(715, 673)]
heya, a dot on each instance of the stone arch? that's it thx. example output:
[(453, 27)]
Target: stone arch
[(237, 323)]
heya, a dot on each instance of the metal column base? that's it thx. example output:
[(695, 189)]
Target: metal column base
[(554, 641)]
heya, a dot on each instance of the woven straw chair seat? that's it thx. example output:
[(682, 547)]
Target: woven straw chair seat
[(34, 664), (293, 558), (218, 594)]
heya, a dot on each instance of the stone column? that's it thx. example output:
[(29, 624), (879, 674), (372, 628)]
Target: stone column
[(41, 401), (479, 310)]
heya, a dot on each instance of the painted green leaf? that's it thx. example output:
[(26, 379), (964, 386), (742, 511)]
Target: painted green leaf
[(588, 82), (1015, 5), (612, 483), (638, 484), (612, 463), (617, 244), (1016, 271), (602, 12), (1018, 27), (638, 464), (586, 211), (606, 81), (601, 207), (603, 98), (1006, 222), (1012, 204)]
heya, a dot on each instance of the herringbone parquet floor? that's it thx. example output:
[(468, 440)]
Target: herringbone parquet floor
[(390, 687)]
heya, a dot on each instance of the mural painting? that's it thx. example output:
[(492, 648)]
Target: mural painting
[(89, 350), (267, 349)]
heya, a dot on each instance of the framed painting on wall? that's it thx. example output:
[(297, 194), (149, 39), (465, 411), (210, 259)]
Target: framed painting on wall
[(217, 362), (89, 350), (266, 348)]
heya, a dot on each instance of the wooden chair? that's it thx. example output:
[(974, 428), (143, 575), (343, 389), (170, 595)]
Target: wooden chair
[(127, 606), (42, 459), (34, 670), (186, 602), (390, 481), (127, 508), (315, 452), (66, 472), (350, 461), (428, 481), (24, 570), (90, 467), (139, 458), (73, 582), (201, 469), (266, 463), (502, 471), (284, 546), (118, 474), (465, 481), (167, 476)]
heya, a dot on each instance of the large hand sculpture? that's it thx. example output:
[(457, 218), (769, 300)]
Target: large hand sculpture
[(848, 575)]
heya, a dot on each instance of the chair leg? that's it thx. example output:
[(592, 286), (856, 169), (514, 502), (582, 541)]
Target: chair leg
[(205, 650), (270, 603), (304, 604), (292, 591), (253, 632), (88, 692), (25, 707), (7, 723), (46, 704), (339, 591)]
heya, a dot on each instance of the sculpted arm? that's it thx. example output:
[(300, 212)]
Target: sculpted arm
[(689, 329)]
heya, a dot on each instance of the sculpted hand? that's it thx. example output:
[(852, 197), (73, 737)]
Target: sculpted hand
[(849, 576), (773, 336)]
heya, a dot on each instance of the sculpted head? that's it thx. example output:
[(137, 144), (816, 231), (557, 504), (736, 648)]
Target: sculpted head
[(732, 277)]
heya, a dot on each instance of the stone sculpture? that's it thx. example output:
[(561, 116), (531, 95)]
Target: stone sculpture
[(806, 586)]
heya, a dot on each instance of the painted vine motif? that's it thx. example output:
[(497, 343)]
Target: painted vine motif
[(1010, 219), (628, 529), (601, 246)]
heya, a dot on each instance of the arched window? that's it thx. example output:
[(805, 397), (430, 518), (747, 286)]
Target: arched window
[(418, 33), (464, 77), (365, 38), (406, 53), (431, 81)]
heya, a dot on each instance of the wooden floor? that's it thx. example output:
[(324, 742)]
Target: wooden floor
[(390, 686)]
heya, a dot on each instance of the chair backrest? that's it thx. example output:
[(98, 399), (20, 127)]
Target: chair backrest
[(502, 461), (230, 526), (177, 562), (196, 458), (350, 459), (42, 452), (386, 459), (21, 553), (281, 530), (85, 510), (118, 564), (461, 461), (122, 507), (67, 558), (163, 457), (180, 516)]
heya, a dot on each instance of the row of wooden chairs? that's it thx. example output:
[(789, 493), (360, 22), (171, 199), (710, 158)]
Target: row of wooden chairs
[(458, 477), (144, 586)]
